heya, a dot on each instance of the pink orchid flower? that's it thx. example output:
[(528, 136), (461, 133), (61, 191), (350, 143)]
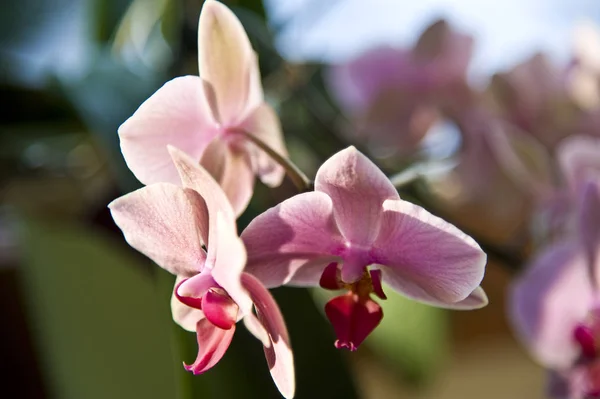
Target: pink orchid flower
[(173, 226), (210, 116), (533, 96), (392, 95), (578, 161), (353, 220), (555, 306)]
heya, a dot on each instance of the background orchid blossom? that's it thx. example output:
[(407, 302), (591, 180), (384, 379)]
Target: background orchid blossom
[(210, 116), (172, 226), (355, 219), (555, 306), (393, 95)]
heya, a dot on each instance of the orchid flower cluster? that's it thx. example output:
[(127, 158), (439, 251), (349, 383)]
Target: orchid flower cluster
[(530, 140), (198, 144), (554, 305)]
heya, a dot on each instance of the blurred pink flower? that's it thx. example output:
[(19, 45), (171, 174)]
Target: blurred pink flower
[(392, 95), (355, 219), (555, 305), (533, 96), (209, 116), (577, 162), (173, 226)]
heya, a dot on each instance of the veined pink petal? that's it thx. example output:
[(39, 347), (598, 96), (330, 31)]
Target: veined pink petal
[(226, 252), (226, 60), (256, 95), (263, 123), (476, 300), (212, 345), (166, 223), (579, 159), (184, 315), (177, 114), (298, 233), (352, 319), (424, 257), (549, 301), (230, 259), (357, 188), (232, 168), (279, 354), (197, 178)]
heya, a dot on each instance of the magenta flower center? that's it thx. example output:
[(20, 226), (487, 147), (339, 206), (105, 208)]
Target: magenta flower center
[(216, 304)]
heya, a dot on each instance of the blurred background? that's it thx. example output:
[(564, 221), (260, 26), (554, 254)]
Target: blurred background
[(466, 99)]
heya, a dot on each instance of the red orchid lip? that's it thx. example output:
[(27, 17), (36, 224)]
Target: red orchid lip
[(219, 308), (353, 315), (353, 319)]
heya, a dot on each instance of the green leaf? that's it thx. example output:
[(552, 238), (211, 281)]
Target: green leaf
[(100, 326)]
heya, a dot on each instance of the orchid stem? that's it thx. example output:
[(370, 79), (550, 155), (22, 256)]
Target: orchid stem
[(417, 171), (297, 177), (405, 177)]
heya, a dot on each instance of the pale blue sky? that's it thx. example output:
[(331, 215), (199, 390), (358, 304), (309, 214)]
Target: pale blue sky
[(506, 31)]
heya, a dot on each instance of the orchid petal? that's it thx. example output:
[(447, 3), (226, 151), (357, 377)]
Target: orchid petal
[(229, 263), (476, 300), (226, 60), (549, 301), (232, 168), (256, 95), (357, 188), (226, 252), (177, 114), (165, 223), (184, 315), (264, 124), (279, 354), (424, 257), (212, 345), (257, 329), (197, 178), (579, 160), (299, 233)]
